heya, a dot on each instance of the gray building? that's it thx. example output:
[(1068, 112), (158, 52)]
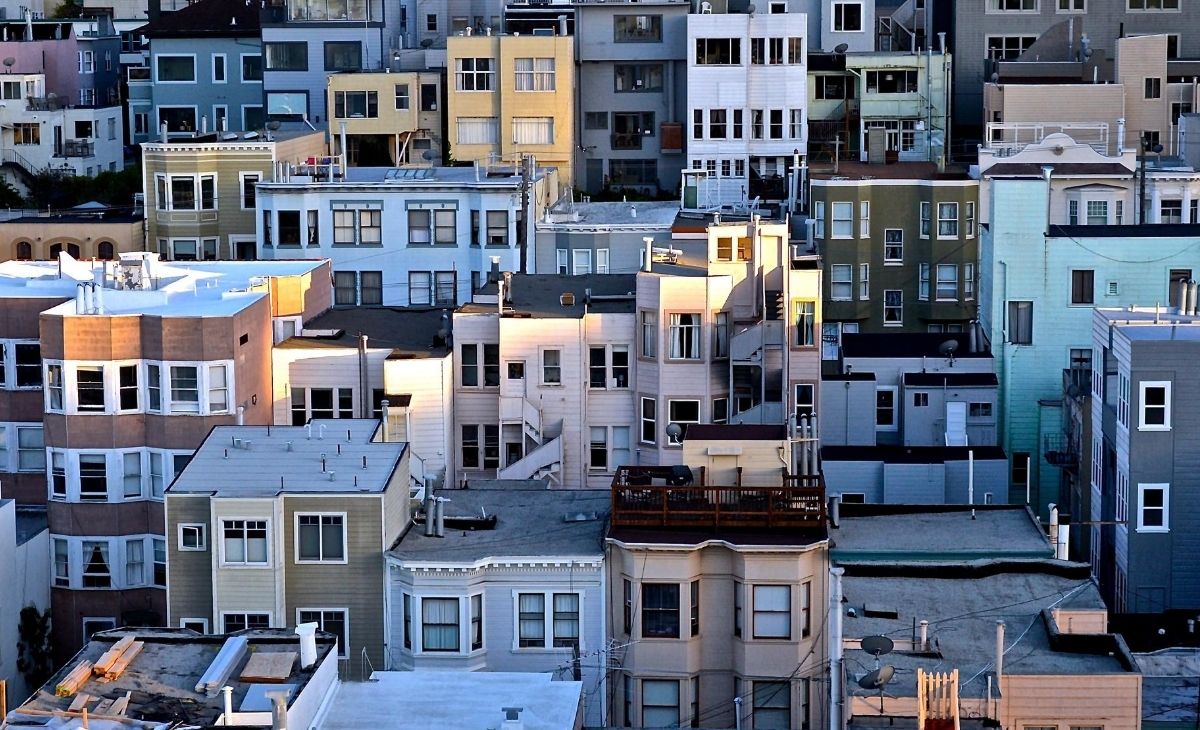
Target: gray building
[(631, 60), (271, 527), (1145, 448), (608, 238)]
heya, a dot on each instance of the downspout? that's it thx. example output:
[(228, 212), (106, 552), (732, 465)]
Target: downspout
[(364, 397), (835, 648)]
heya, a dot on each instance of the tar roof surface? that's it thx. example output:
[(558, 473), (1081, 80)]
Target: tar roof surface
[(1161, 230), (897, 454), (529, 521), (905, 344), (736, 432), (650, 214), (208, 18), (540, 295), (408, 332), (962, 613), (1024, 169), (944, 378), (894, 532), (268, 468)]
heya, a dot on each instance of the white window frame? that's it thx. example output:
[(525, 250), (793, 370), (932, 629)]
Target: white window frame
[(755, 611), (1142, 387), (1165, 488), (896, 406), (833, 19), (864, 282), (160, 56), (8, 365), (202, 531), (864, 219), (185, 620), (224, 78), (322, 560), (245, 615), (954, 220), (841, 275), (244, 565), (548, 637), (419, 625), (343, 651), (847, 207)]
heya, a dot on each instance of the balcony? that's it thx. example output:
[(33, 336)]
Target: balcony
[(627, 141), (1077, 383), (664, 496), (135, 74), (44, 103), (1060, 451), (77, 148)]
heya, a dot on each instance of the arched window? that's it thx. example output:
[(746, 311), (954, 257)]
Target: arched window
[(72, 250), (104, 251), (24, 251)]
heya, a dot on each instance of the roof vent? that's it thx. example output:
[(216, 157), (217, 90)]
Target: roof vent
[(567, 299)]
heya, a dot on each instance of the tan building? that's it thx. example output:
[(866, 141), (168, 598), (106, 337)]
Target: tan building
[(512, 95), (200, 191), (716, 592), (84, 234), (389, 119)]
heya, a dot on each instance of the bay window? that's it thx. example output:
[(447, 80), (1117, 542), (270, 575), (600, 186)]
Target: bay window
[(439, 624)]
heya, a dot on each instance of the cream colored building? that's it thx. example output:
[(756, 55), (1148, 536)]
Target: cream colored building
[(512, 95), (390, 119), (82, 233), (200, 192)]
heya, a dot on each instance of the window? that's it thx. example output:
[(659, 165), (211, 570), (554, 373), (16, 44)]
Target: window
[(947, 220), (1097, 212), (892, 81), (58, 475), (1083, 286), (947, 282), (332, 620), (718, 123), (833, 88), (804, 317), (476, 621), (1155, 414), (551, 367), (979, 411), (244, 542), (1170, 211), (637, 28), (772, 612), (841, 282), (174, 69), (718, 51), (1072, 6), (681, 413), (62, 563), (843, 220), (252, 67), (439, 624), (627, 600), (684, 336), (1153, 508), (1122, 497), (343, 55), (477, 130), (720, 335), (805, 609), (355, 105), (581, 261), (533, 130), (925, 213), (240, 621), (445, 288), (847, 17), (93, 477), (968, 281), (885, 409), (497, 228), (660, 610), (660, 703), (193, 537), (320, 538), (218, 68), (471, 364), (27, 133), (1019, 472), (806, 400), (474, 74), (1020, 6), (534, 74), (649, 431), (776, 124), (566, 620), (695, 615), (1153, 4), (1008, 47), (1020, 323), (737, 608), (475, 457), (89, 388), (772, 705), (598, 459), (638, 77), (287, 56), (345, 287), (131, 475), (893, 307), (864, 219), (595, 120), (96, 570)]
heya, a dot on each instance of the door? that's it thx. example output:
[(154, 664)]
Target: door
[(595, 175), (956, 423)]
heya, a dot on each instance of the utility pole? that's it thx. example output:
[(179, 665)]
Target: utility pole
[(524, 213)]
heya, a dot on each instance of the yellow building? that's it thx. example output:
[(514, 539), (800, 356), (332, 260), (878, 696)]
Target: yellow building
[(512, 95), (84, 233), (390, 118)]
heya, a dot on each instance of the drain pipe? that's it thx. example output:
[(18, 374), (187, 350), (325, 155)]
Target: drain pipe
[(835, 648)]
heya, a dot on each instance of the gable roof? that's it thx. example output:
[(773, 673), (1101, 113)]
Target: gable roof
[(208, 18)]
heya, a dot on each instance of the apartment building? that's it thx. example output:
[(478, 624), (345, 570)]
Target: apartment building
[(914, 270), (349, 361), (1043, 268), (1139, 469), (471, 592), (205, 72), (608, 237), (447, 226), (287, 525), (436, 20), (719, 613), (84, 232), (387, 119), (45, 130), (747, 82), (138, 360), (513, 96), (79, 59), (201, 190), (25, 541), (631, 65)]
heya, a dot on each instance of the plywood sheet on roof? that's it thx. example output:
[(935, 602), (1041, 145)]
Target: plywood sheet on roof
[(269, 666)]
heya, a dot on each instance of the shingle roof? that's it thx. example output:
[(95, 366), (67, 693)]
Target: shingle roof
[(213, 18)]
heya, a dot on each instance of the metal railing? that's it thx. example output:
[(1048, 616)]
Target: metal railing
[(78, 148)]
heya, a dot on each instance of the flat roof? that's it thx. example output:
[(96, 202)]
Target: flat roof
[(962, 604), (883, 532), (91, 218), (735, 432), (1170, 681), (864, 171), (906, 344), (951, 379), (650, 214), (895, 454), (408, 332), (530, 519), (1157, 230), (417, 177), (417, 700), (1067, 169), (288, 460), (1145, 324), (540, 296), (229, 138), (161, 679)]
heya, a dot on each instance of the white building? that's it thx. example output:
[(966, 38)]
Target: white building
[(444, 225), (25, 539), (42, 131), (747, 92)]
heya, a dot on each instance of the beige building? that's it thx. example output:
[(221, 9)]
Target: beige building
[(82, 233), (200, 191), (389, 119), (512, 95)]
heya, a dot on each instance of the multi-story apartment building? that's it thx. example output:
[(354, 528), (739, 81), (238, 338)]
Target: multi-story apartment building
[(1058, 244), (512, 96), (609, 237), (204, 74), (286, 525), (201, 191), (632, 61), (347, 362), (432, 21), (135, 362), (1141, 474), (78, 58), (481, 596), (45, 130), (389, 119), (82, 233), (447, 225), (914, 270), (747, 102), (717, 601)]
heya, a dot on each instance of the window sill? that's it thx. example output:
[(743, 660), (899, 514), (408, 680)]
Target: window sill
[(1153, 530), (321, 562), (242, 566), (352, 245), (541, 649), (1154, 429)]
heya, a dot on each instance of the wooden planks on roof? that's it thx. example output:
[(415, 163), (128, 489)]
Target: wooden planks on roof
[(269, 667)]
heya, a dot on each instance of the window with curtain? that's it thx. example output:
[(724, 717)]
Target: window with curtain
[(477, 130), (439, 624), (533, 130), (685, 336), (566, 620), (660, 610), (531, 620), (772, 612), (534, 74), (806, 323), (660, 703), (135, 562), (96, 571)]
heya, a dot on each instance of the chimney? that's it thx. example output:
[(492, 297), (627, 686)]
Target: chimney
[(512, 718), (835, 511), (924, 635), (508, 287), (1120, 135), (648, 256), (562, 25), (1054, 528), (439, 512), (385, 407), (494, 272), (999, 649), (633, 211), (308, 644), (162, 133)]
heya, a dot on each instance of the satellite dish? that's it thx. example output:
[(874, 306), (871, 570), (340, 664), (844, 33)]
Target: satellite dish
[(427, 43), (995, 77), (841, 48), (427, 155), (10, 61), (877, 646), (675, 431), (948, 348), (274, 125), (750, 9), (877, 678)]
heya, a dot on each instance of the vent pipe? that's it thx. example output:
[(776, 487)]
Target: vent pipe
[(1054, 527), (439, 510), (430, 527), (278, 699), (162, 133), (562, 25), (1193, 298), (227, 701), (241, 416), (1182, 295), (308, 644), (385, 407), (999, 649), (1064, 541), (1120, 135), (924, 635), (648, 256), (835, 511)]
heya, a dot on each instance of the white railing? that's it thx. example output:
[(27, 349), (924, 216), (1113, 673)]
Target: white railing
[(747, 344), (1009, 138), (770, 412), (545, 460), (514, 408)]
